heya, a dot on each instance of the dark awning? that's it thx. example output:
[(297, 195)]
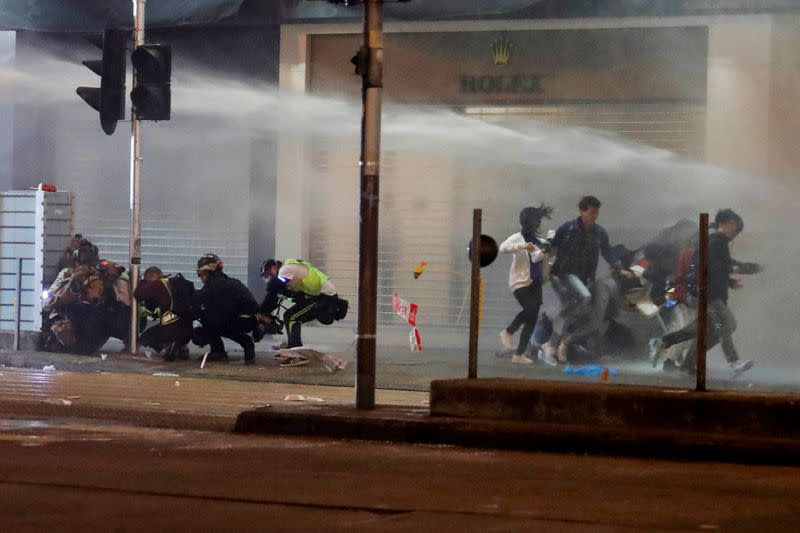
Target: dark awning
[(97, 15)]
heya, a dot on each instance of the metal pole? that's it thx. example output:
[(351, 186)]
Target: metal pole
[(702, 302), (18, 313), (370, 179), (475, 294), (135, 247)]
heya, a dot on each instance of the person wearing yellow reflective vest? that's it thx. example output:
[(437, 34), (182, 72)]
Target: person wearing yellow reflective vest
[(311, 290)]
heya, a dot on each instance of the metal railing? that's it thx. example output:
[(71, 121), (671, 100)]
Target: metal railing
[(17, 302)]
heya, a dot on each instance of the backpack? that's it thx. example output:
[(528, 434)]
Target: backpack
[(685, 275)]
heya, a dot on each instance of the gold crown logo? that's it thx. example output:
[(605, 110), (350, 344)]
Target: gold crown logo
[(501, 51)]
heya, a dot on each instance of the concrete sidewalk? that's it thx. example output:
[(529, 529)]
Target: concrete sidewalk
[(165, 400), (524, 415)]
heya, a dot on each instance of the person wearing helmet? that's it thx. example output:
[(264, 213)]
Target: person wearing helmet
[(311, 290), (226, 309), (722, 272), (525, 278), (169, 299)]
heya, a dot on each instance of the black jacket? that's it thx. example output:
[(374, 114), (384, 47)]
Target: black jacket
[(577, 250), (720, 267), (222, 299)]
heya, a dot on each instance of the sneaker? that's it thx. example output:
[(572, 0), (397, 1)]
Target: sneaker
[(169, 353), (546, 355), (739, 367), (656, 349), (507, 340), (521, 360), (561, 353)]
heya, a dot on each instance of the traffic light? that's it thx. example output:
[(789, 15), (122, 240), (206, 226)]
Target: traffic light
[(152, 68), (109, 98)]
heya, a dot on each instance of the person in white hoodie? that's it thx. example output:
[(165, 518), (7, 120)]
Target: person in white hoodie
[(525, 278)]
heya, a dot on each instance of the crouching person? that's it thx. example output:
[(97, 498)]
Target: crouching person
[(225, 309), (168, 299), (86, 305), (311, 290)]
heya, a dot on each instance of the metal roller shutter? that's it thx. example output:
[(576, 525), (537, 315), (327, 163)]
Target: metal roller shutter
[(426, 207)]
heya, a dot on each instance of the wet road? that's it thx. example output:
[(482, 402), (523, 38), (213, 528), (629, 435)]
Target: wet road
[(71, 475)]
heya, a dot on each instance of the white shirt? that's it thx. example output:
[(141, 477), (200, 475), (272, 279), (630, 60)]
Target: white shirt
[(520, 274)]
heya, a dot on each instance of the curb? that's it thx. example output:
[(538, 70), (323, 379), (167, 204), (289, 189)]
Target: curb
[(416, 426), (15, 409)]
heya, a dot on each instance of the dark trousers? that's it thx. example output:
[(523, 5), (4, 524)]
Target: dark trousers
[(237, 330), (305, 309), (530, 298), (721, 325), (172, 336)]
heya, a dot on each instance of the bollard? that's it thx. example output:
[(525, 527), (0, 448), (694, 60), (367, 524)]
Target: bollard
[(702, 302), (475, 289)]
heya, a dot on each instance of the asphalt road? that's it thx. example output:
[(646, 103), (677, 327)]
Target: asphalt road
[(65, 475)]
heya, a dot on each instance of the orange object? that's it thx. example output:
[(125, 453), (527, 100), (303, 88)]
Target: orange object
[(604, 375), (47, 187), (420, 269)]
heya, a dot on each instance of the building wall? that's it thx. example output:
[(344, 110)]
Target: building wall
[(784, 111), (739, 88), (725, 66)]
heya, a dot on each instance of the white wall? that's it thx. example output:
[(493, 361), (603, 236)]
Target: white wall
[(738, 101)]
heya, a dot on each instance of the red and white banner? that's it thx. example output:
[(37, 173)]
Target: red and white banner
[(407, 311), (415, 340)]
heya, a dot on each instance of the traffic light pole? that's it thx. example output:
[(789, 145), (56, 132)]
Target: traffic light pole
[(135, 181), (368, 229)]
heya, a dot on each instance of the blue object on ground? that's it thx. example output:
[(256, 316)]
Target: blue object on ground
[(589, 370)]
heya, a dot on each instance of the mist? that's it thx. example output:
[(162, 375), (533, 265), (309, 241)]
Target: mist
[(197, 168)]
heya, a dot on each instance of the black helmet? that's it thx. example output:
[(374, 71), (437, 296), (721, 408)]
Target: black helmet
[(210, 263), (86, 254), (267, 265)]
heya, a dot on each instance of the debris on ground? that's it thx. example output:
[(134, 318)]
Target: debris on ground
[(302, 398), (591, 370), (303, 356), (58, 401), (48, 367), (167, 374), (103, 356)]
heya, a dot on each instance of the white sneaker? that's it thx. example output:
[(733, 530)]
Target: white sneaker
[(740, 367), (561, 354), (521, 360), (507, 340), (656, 349), (546, 355)]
